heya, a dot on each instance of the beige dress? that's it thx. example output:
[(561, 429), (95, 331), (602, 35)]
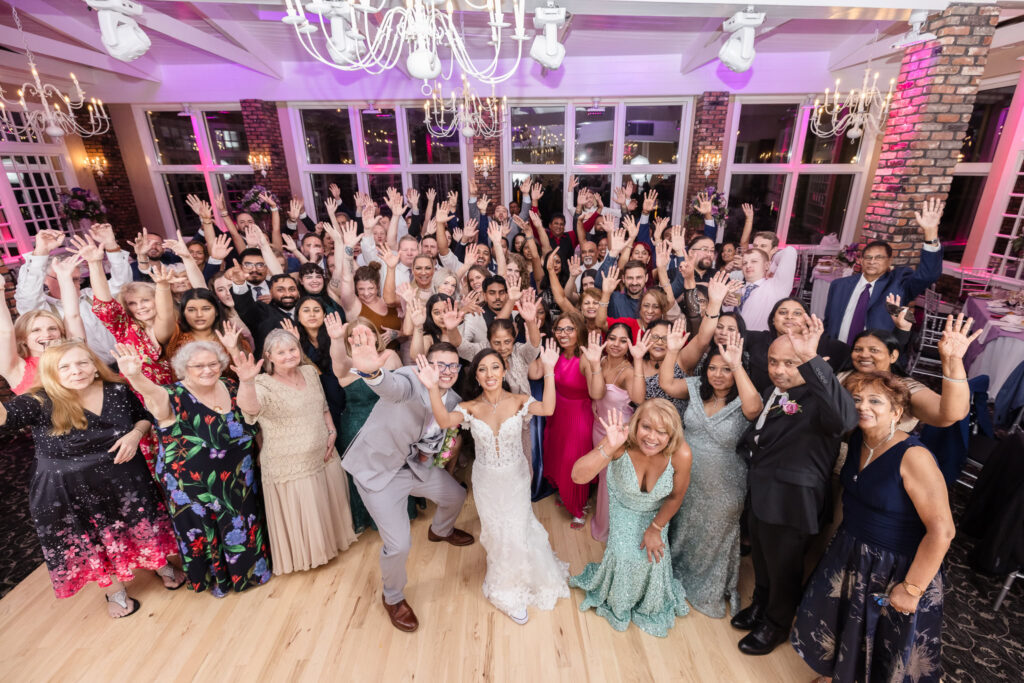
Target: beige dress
[(308, 515)]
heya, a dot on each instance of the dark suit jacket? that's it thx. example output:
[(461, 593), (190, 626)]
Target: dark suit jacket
[(259, 317), (791, 462), (904, 281)]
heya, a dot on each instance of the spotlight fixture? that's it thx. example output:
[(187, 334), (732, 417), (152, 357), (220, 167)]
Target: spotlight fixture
[(914, 35), (738, 51), (121, 34), (97, 165), (546, 50)]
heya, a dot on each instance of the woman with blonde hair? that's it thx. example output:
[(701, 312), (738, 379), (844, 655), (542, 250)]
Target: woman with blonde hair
[(96, 508), (648, 464), (23, 341), (304, 487)]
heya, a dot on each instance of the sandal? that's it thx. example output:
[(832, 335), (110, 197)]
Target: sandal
[(169, 571), (120, 598)]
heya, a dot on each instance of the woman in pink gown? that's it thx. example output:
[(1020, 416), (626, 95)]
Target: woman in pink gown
[(623, 363), (569, 432)]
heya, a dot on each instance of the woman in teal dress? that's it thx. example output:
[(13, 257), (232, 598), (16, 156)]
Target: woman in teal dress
[(705, 533), (648, 472), (359, 402)]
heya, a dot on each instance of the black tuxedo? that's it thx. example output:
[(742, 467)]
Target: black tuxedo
[(791, 463), (259, 317)]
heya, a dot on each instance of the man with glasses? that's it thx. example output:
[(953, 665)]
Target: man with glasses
[(392, 458), (857, 302), (254, 267)]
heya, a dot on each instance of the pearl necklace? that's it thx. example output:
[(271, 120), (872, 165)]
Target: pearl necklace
[(494, 406)]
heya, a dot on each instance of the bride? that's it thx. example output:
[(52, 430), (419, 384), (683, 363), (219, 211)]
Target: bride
[(522, 570)]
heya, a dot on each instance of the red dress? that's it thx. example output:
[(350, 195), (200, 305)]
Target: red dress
[(155, 365), (569, 434)]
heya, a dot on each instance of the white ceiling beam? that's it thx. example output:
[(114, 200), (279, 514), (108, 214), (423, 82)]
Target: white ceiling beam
[(194, 37), (71, 53), (84, 32), (709, 51), (228, 19)]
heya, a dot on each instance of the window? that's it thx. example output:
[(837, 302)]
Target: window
[(380, 137), (328, 136), (1008, 252), (227, 137), (174, 138), (321, 183), (179, 186), (538, 135), (987, 119), (652, 134), (29, 193), (800, 185), (426, 148), (595, 134)]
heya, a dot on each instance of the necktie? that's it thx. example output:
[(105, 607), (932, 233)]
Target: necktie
[(258, 290), (747, 291), (768, 405), (860, 315)]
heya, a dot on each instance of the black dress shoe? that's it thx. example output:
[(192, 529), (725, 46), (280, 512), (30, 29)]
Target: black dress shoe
[(747, 619), (763, 639)]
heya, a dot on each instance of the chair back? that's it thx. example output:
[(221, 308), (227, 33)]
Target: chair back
[(974, 280), (926, 360)]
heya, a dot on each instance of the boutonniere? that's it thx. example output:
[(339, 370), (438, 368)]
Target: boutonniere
[(445, 454), (788, 407)]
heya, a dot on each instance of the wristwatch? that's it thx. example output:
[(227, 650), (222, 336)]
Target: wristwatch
[(932, 243)]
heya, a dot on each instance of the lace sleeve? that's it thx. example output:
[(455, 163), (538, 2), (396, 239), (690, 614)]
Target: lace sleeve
[(526, 406), (466, 417)]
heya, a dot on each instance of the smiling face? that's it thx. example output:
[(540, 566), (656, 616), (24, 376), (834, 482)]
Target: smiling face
[(483, 255), (76, 369), (141, 304), (43, 331), (310, 315), (490, 373), (602, 247), (367, 291), (588, 254), (720, 375), (198, 254), (203, 369), (313, 282), (650, 308), (703, 253), (566, 334), (640, 254), (728, 252), (448, 286), (423, 271), (783, 364), (284, 292), (870, 354), (635, 278), (447, 365), (476, 280), (652, 437), (618, 343), (874, 408), (200, 314), (557, 226), (222, 288), (790, 315), (285, 355), (589, 306), (659, 341)]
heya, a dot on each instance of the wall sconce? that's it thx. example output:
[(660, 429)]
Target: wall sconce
[(97, 165), (708, 162), (260, 162), (484, 164)]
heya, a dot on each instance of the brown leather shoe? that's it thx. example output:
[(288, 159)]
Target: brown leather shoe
[(402, 616), (457, 537)]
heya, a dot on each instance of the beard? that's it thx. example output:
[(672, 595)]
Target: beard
[(285, 301)]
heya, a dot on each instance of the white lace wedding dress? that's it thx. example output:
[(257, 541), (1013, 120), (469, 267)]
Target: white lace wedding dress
[(522, 569)]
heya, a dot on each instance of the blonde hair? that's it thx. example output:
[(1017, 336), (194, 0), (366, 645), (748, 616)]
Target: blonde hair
[(66, 412), (442, 274), (665, 415), (276, 338), (129, 288), (364, 322), (24, 323)]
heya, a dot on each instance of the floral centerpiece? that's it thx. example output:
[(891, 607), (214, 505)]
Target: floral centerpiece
[(81, 204), (719, 205), (848, 255), (251, 202), (1015, 298)]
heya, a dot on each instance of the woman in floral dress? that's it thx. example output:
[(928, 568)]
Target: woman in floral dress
[(207, 469)]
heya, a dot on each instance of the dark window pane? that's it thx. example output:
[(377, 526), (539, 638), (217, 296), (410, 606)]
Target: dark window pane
[(227, 137), (380, 137), (602, 184), (819, 207), (380, 182), (426, 148), (837, 149), (551, 202), (173, 137), (765, 133), (961, 207), (652, 135), (235, 185), (346, 182), (665, 186), (328, 136), (595, 129), (764, 192), (538, 135), (179, 186), (443, 183), (987, 119)]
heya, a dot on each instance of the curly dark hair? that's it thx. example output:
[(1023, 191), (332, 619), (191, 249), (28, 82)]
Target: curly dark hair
[(706, 390), (471, 387)]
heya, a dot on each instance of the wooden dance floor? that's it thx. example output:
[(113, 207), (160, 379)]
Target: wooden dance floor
[(328, 624)]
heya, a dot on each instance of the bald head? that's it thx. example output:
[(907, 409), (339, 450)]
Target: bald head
[(784, 364)]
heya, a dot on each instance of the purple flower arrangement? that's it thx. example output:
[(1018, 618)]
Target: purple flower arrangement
[(719, 204), (251, 202), (81, 203)]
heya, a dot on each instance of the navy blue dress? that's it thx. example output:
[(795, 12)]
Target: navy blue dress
[(840, 630)]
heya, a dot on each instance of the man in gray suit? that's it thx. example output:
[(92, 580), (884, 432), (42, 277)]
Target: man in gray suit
[(392, 457)]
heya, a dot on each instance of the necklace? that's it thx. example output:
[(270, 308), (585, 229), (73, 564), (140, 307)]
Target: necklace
[(216, 405), (494, 406), (618, 368), (871, 453)]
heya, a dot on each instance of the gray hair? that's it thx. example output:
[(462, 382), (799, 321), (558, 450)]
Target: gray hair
[(181, 359), (274, 339)]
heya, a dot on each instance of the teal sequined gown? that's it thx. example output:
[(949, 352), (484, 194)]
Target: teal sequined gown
[(625, 586)]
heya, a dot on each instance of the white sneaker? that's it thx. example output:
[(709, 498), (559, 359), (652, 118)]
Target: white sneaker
[(520, 618)]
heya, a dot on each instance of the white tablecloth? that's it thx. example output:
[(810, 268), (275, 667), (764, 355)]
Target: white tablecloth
[(997, 360), (819, 291)]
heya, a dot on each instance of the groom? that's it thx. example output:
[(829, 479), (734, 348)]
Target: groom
[(392, 456)]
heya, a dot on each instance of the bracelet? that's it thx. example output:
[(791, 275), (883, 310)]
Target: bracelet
[(655, 525), (603, 304), (600, 449), (142, 434), (953, 379), (549, 374), (224, 213), (717, 315), (907, 586), (275, 209)]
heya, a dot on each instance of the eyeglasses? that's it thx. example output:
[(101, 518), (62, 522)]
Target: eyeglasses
[(565, 330), (708, 249), (657, 338), (254, 266), (874, 257), (449, 368), (203, 366)]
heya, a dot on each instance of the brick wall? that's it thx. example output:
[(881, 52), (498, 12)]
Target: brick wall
[(263, 133), (708, 138), (491, 185), (113, 186), (935, 93)]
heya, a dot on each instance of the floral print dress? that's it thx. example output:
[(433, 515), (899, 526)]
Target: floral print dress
[(207, 468), (155, 365), (95, 519)]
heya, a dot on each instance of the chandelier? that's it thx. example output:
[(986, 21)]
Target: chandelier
[(419, 26), (55, 117), (470, 114), (861, 109), (708, 163)]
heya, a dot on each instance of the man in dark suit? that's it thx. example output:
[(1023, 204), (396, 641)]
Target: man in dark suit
[(857, 302), (793, 448), (259, 317)]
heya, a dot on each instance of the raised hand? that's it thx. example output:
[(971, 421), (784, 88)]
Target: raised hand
[(703, 204), (528, 305), (229, 336), (643, 344), (246, 367), (178, 247), (482, 203), (611, 281), (659, 227), (629, 226), (536, 192), (443, 213), (686, 265), (805, 341), (348, 235), (426, 372), (471, 304), (389, 257), (220, 247), (431, 194), (594, 348), (720, 286), (899, 318), (677, 335), (617, 240), (451, 316), (650, 201), (575, 266), (103, 234), (220, 203), (288, 326), (619, 196), (417, 312), (200, 207), (732, 350), (335, 328), (954, 341), (412, 197), (470, 234), (47, 241), (128, 359), (494, 233), (928, 218), (235, 274), (549, 355), (289, 243), (365, 357), (83, 246), (512, 283), (161, 274), (457, 235), (254, 237), (525, 186), (615, 432), (63, 268), (453, 199), (268, 200), (331, 204), (662, 253), (335, 191), (748, 211), (677, 236)]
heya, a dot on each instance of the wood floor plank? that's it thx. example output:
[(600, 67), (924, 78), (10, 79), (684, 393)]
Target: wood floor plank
[(328, 624)]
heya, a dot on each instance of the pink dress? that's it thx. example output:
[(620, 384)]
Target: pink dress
[(614, 398), (569, 434), (29, 376)]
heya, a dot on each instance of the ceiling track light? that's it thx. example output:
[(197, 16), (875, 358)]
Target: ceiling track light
[(737, 53), (122, 36)]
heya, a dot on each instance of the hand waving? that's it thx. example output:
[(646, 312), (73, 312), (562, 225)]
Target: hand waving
[(616, 432), (954, 340), (245, 367), (426, 372)]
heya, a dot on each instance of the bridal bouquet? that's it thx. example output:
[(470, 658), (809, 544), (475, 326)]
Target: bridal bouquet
[(445, 454)]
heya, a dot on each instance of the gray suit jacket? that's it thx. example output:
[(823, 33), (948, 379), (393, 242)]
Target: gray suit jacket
[(385, 443)]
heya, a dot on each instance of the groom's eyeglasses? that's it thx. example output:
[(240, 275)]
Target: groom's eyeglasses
[(449, 368)]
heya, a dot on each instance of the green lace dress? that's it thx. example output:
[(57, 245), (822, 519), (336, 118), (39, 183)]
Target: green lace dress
[(625, 586)]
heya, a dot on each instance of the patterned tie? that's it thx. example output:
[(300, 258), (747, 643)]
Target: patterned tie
[(258, 290), (860, 315), (747, 291)]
